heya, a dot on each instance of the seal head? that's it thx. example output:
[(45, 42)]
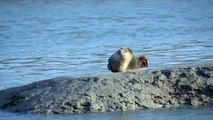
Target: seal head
[(124, 60)]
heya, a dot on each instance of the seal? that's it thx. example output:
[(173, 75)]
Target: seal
[(124, 60)]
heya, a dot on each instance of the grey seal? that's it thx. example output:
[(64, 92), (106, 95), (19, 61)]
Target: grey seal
[(124, 60)]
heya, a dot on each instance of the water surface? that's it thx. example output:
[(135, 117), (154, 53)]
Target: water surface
[(42, 39), (45, 39), (158, 114)]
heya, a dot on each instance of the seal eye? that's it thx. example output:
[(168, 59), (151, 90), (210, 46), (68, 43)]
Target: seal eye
[(126, 50)]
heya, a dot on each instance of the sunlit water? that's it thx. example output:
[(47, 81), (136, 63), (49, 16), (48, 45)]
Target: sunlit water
[(42, 39)]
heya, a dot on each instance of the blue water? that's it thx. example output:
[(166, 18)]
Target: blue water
[(42, 39), (160, 114)]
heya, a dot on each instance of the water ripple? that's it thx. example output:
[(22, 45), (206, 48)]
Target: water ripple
[(39, 42)]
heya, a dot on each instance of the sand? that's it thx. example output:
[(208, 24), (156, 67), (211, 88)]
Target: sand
[(176, 86)]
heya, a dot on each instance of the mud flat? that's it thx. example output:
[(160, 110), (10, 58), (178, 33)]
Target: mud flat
[(186, 85)]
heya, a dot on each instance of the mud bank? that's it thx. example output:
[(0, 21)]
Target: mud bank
[(178, 86)]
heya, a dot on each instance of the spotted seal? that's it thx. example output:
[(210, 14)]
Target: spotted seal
[(124, 60)]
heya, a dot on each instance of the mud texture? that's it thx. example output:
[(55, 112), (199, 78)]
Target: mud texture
[(168, 87)]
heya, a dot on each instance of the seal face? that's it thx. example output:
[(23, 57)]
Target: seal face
[(124, 60)]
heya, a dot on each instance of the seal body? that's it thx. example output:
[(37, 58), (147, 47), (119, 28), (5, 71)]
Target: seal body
[(124, 60)]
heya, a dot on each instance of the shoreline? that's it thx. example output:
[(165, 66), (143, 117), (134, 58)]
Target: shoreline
[(174, 86)]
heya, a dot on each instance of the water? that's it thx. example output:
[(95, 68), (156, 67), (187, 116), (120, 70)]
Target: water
[(161, 114), (42, 39)]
